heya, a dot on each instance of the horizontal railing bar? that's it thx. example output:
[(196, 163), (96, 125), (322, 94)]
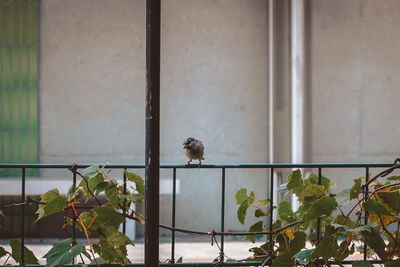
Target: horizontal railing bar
[(203, 166)]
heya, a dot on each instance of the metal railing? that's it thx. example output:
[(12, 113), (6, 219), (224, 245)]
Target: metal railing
[(367, 167)]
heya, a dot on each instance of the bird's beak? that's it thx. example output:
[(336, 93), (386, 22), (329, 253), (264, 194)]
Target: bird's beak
[(186, 146)]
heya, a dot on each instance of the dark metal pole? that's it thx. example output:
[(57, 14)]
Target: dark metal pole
[(152, 147), (22, 262)]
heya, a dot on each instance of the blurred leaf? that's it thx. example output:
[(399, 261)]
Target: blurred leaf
[(139, 217), (374, 206), (16, 253), (391, 199), (112, 196), (110, 215), (393, 178), (54, 203), (395, 263), (252, 197), (101, 187), (295, 183), (374, 240), (352, 230), (180, 260), (241, 195), (327, 247), (362, 264), (323, 206), (91, 171), (3, 252), (343, 196), (313, 179), (264, 201), (283, 188), (303, 256), (312, 190), (259, 213), (285, 212), (355, 189), (62, 253), (257, 227), (139, 182), (1, 213), (241, 213), (286, 259)]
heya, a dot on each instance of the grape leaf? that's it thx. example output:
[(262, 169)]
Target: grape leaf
[(257, 227), (241, 213), (107, 214), (295, 183), (139, 182), (16, 253), (3, 252), (91, 171), (355, 189), (374, 206), (374, 240), (285, 212), (241, 195), (62, 253)]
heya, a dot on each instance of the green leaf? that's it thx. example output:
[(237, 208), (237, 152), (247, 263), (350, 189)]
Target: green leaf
[(327, 248), (241, 213), (362, 264), (16, 253), (62, 253), (323, 206), (259, 213), (343, 196), (54, 203), (112, 245), (91, 171), (285, 212), (313, 190), (295, 183), (180, 260), (374, 240), (139, 217), (73, 192), (313, 179), (109, 215), (257, 227), (112, 195), (264, 201), (391, 199), (352, 230), (1, 213), (139, 182), (286, 259), (374, 206), (395, 263), (393, 178), (241, 195), (303, 257), (355, 189), (3, 252)]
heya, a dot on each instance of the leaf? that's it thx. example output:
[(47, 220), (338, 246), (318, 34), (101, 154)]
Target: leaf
[(325, 182), (91, 171), (1, 213), (283, 188), (109, 215), (3, 252), (374, 240), (62, 253), (285, 212), (362, 264), (112, 245), (257, 227), (352, 230), (327, 247), (393, 178), (241, 195), (355, 189), (303, 256), (73, 192), (101, 187), (264, 201), (391, 199), (241, 213), (395, 263), (343, 196), (374, 206), (323, 206), (259, 213), (180, 260), (112, 196), (16, 253), (54, 203), (312, 190), (252, 197), (139, 182), (286, 259), (139, 217), (295, 183)]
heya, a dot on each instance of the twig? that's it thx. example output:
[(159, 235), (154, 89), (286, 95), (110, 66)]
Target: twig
[(74, 169)]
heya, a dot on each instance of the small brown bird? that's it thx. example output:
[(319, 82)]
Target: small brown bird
[(194, 149)]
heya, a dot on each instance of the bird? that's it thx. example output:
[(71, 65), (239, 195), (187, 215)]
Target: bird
[(194, 149)]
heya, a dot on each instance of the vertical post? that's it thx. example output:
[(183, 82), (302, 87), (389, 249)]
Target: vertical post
[(271, 207), (23, 219), (73, 213), (366, 212), (173, 215), (124, 209), (319, 219), (223, 209), (152, 146)]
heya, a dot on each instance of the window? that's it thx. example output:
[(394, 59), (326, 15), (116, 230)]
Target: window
[(19, 83)]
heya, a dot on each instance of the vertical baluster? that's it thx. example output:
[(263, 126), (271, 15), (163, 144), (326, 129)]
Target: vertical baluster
[(124, 209), (223, 209), (271, 207), (319, 232), (366, 212), (23, 219), (173, 215)]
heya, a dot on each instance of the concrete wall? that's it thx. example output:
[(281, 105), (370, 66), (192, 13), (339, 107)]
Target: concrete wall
[(213, 86), (355, 79)]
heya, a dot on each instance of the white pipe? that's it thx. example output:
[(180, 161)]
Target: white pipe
[(297, 85)]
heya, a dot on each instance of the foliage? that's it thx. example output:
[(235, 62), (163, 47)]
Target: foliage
[(102, 221), (320, 210)]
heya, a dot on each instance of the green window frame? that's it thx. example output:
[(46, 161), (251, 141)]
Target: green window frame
[(19, 88)]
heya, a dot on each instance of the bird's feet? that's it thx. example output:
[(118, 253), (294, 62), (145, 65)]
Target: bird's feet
[(188, 163)]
